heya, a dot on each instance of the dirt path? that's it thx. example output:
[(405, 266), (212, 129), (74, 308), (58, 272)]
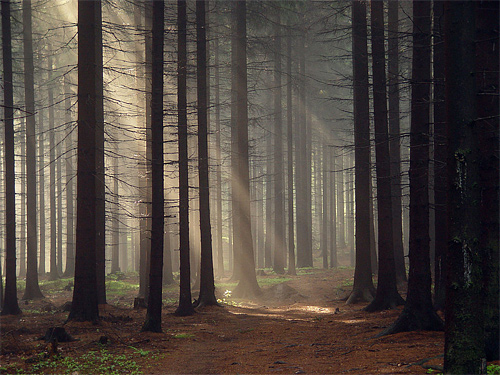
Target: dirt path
[(300, 326)]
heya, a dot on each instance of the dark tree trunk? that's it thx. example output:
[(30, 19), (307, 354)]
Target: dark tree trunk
[(325, 214), (185, 304), (100, 213), (464, 329), (218, 157), (289, 120), (115, 243), (332, 220), (207, 286), (270, 239), (247, 285), (53, 273), (32, 289), (10, 305), (279, 209), (70, 241), (153, 315), (440, 172), (487, 23), (41, 190), (387, 296), (363, 289), (394, 137), (85, 301), (418, 313), (22, 224), (304, 238)]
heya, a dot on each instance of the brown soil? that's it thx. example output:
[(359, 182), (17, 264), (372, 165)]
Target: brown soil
[(301, 326)]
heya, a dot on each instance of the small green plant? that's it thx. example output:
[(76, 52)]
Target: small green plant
[(183, 336), (493, 369)]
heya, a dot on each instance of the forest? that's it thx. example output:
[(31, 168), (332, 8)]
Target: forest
[(265, 186)]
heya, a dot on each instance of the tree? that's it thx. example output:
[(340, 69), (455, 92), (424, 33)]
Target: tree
[(10, 305), (247, 285), (363, 288), (207, 286), (487, 62), (440, 145), (394, 135), (41, 190), (418, 313), (279, 208), (153, 315), (289, 132), (387, 296), (85, 300), (185, 307), (32, 290)]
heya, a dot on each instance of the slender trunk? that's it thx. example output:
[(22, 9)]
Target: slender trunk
[(279, 209), (153, 315), (325, 213), (207, 286), (363, 288), (394, 137), (185, 306), (59, 207), (289, 120), (22, 224), (41, 189), (115, 243), (333, 210), (387, 296)]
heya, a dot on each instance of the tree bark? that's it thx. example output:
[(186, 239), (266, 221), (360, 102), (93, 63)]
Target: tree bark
[(85, 301), (207, 286), (464, 329), (289, 120), (363, 289), (153, 314), (185, 305), (41, 189), (10, 305), (387, 296), (418, 313)]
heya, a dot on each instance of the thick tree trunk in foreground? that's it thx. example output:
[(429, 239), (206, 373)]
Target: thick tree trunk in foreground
[(464, 330), (418, 313), (387, 296), (363, 289), (32, 289), (153, 315), (487, 62), (207, 286), (10, 305), (85, 301), (185, 304)]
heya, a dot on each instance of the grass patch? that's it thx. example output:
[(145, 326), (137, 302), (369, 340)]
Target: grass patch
[(119, 288), (266, 281), (183, 336)]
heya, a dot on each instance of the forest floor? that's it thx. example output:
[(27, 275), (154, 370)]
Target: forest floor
[(300, 325)]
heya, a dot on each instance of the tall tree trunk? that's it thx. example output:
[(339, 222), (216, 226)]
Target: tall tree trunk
[(487, 23), (32, 289), (207, 286), (59, 207), (440, 144), (53, 274), (115, 243), (418, 313), (394, 137), (70, 239), (22, 224), (325, 214), (85, 300), (340, 202), (270, 238), (387, 296), (153, 315), (10, 305), (185, 306), (218, 157), (247, 285), (464, 329), (332, 220), (41, 189), (363, 288), (279, 209), (289, 130)]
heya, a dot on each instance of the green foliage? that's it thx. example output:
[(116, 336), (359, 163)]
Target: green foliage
[(183, 336), (92, 362), (117, 287), (493, 369)]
